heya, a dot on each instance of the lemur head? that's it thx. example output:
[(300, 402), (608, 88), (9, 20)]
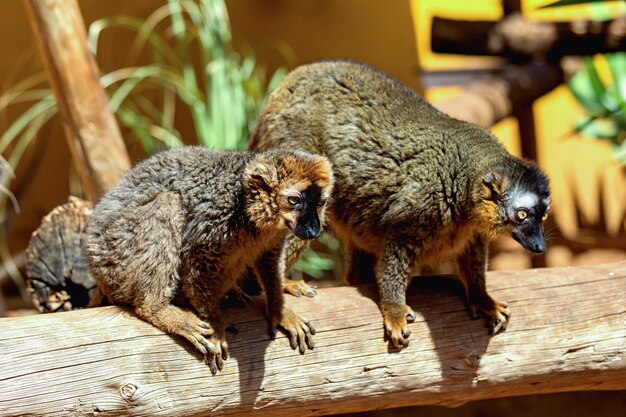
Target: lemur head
[(517, 202), (288, 190)]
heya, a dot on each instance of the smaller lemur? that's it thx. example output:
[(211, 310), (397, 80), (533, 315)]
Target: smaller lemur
[(175, 234), (413, 186)]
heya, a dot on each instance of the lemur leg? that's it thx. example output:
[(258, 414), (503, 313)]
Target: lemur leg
[(294, 248), (472, 264), (298, 329), (153, 266), (394, 271), (360, 266), (203, 287)]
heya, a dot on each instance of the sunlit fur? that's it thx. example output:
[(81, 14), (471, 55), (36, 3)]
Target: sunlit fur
[(412, 187), (270, 183), (179, 229)]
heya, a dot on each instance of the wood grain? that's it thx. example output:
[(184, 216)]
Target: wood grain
[(58, 276), (568, 332), (92, 133)]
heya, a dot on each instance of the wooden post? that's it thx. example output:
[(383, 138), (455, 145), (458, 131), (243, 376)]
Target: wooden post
[(91, 130), (525, 121), (567, 333), (491, 98), (517, 37)]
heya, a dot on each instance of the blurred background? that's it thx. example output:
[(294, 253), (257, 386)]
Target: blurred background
[(198, 73)]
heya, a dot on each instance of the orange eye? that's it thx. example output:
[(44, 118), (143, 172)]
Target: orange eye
[(521, 214), (293, 200), (545, 217)]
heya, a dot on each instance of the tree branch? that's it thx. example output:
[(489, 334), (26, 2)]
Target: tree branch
[(92, 133), (489, 99), (517, 38), (567, 333)]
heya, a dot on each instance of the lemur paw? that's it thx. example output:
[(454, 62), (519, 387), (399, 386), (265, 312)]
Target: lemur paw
[(298, 329), (496, 312), (298, 288), (395, 319), (196, 332), (216, 355)]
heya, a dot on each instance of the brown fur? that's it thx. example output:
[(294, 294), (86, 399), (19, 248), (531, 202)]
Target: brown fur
[(412, 186), (183, 226)]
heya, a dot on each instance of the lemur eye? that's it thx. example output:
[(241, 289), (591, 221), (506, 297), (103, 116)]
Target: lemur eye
[(293, 200), (321, 202), (545, 217), (521, 214)]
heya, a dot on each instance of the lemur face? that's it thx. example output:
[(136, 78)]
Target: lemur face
[(288, 190), (302, 209), (526, 211)]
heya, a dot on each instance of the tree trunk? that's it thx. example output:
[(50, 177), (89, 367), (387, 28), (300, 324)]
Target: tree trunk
[(567, 333), (92, 133), (516, 37), (56, 266)]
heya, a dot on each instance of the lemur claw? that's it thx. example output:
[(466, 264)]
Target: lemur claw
[(395, 319)]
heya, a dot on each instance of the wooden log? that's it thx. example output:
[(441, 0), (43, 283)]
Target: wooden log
[(517, 37), (568, 333), (92, 133), (58, 274), (491, 98)]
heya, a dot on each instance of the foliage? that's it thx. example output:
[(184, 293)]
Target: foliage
[(605, 103), (561, 3), (193, 67)]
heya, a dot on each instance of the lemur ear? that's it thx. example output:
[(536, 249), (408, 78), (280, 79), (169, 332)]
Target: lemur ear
[(261, 174), (494, 186)]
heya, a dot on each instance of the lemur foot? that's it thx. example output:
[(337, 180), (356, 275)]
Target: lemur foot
[(217, 353), (298, 329), (298, 288), (395, 319), (196, 332), (496, 312)]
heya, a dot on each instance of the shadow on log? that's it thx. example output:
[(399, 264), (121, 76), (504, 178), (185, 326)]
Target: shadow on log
[(568, 333)]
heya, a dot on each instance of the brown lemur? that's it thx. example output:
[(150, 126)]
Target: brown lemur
[(175, 234), (413, 186)]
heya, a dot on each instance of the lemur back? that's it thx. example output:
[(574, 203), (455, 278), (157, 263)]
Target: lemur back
[(413, 185)]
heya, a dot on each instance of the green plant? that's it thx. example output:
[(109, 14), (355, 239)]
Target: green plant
[(604, 103), (195, 66), (192, 67)]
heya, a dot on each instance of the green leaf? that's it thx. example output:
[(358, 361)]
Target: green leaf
[(600, 128), (588, 89), (561, 3), (617, 64), (314, 264), (22, 122), (594, 77), (134, 23)]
